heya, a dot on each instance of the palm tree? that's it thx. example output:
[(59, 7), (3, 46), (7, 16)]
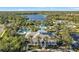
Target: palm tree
[(38, 38)]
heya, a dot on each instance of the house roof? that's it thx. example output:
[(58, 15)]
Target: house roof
[(42, 31)]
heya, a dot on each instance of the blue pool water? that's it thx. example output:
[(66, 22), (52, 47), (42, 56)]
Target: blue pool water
[(75, 36), (75, 45), (22, 30)]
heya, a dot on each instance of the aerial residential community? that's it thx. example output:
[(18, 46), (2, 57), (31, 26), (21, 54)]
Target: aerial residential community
[(39, 31)]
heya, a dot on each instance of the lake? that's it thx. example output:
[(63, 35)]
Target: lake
[(36, 17)]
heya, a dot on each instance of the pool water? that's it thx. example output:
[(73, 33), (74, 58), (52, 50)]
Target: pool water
[(75, 36), (22, 31)]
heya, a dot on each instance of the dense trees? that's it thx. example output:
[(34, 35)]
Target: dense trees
[(11, 41)]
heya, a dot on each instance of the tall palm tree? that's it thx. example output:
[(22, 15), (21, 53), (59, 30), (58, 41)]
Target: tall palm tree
[(38, 38)]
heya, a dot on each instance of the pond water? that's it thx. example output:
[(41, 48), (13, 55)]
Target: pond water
[(36, 17)]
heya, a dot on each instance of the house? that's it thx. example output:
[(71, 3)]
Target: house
[(52, 43), (41, 31), (44, 43), (30, 34), (59, 21), (41, 38), (71, 25)]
